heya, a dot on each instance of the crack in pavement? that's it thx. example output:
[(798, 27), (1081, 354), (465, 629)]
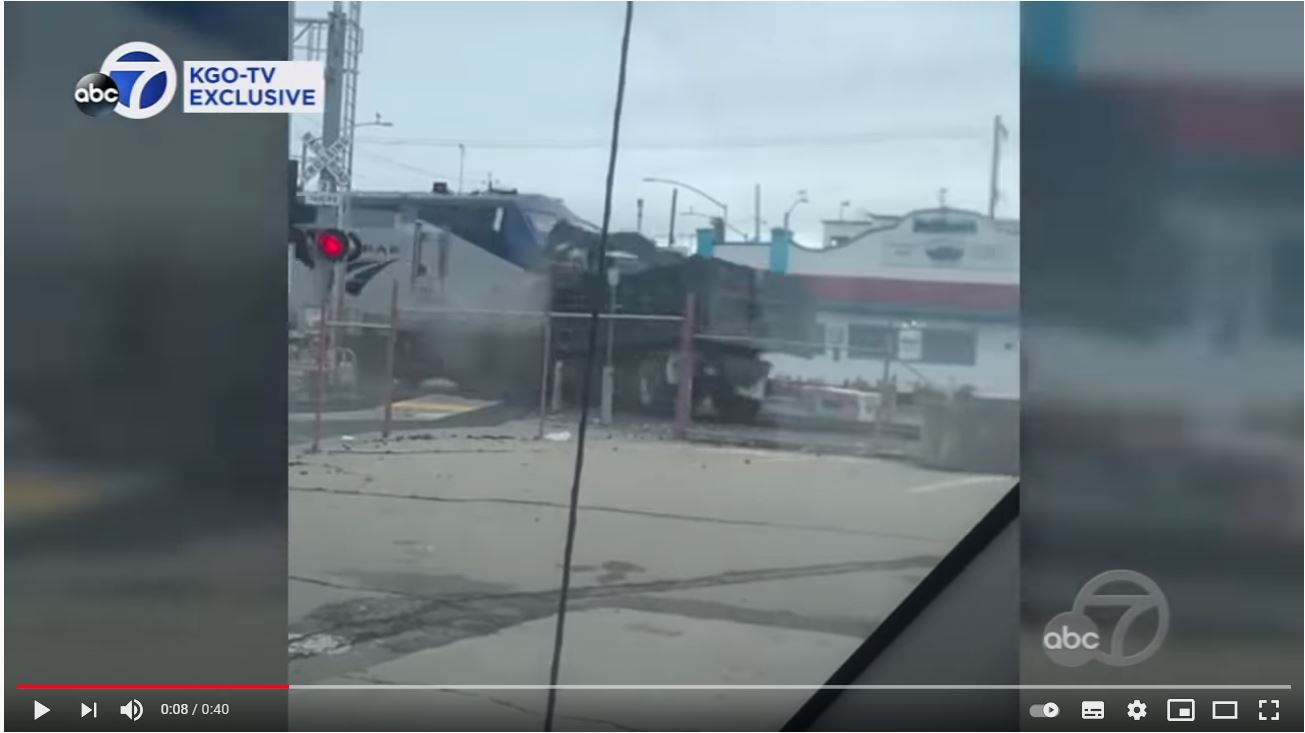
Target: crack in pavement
[(827, 528), (703, 609), (405, 623), (348, 586)]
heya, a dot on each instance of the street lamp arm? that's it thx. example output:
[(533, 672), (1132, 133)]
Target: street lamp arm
[(728, 225), (682, 184)]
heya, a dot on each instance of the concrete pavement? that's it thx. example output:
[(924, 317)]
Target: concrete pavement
[(435, 559)]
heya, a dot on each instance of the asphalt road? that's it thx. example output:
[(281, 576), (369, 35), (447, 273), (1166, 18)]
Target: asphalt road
[(435, 559)]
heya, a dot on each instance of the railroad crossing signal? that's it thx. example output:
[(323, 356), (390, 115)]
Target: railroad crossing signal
[(328, 246), (332, 159)]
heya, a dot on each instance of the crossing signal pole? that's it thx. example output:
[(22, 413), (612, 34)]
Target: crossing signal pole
[(999, 135), (336, 40)]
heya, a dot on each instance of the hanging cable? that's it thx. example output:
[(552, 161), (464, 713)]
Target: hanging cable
[(597, 262)]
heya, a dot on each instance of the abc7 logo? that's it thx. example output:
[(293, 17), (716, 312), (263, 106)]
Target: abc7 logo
[(1072, 638), (137, 80), (96, 95)]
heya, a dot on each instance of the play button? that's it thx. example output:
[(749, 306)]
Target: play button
[(39, 709)]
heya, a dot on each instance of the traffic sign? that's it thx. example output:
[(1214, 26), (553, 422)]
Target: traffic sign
[(322, 198)]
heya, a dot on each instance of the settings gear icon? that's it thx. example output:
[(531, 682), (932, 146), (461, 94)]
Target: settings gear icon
[(1137, 710)]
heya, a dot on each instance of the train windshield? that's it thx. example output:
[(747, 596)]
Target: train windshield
[(514, 228)]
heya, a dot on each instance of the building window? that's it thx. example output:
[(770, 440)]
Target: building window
[(943, 225), (1284, 288), (948, 346), (865, 341), (818, 336)]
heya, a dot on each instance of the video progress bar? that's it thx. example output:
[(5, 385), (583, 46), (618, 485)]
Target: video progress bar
[(386, 686), (153, 687)]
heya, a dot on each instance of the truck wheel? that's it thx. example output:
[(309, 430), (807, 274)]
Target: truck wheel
[(733, 408)]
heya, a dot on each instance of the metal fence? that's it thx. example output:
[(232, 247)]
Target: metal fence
[(538, 358)]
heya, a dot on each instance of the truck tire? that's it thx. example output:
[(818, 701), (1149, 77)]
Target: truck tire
[(736, 409)]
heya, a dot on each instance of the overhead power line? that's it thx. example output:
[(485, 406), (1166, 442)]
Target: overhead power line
[(403, 166), (960, 134)]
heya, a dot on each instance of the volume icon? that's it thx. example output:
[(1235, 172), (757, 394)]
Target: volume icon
[(132, 710)]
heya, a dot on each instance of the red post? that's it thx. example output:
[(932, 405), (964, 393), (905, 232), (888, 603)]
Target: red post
[(390, 341), (319, 402), (684, 396)]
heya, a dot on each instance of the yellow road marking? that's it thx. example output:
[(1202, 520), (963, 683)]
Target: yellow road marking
[(36, 496), (954, 483), (422, 406)]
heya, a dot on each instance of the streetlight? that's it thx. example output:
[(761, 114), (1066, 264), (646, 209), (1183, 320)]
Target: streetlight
[(378, 122), (462, 160), (801, 199), (709, 217), (725, 210)]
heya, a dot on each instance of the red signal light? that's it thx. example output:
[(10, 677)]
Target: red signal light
[(332, 244)]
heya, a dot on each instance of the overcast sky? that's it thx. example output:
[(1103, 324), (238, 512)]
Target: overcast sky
[(880, 104)]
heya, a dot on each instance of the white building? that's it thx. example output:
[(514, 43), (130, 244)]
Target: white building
[(933, 293)]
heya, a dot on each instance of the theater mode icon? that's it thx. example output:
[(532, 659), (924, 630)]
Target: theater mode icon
[(1223, 710)]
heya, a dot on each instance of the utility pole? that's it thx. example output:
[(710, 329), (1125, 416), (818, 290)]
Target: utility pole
[(999, 134), (756, 212), (675, 192), (333, 99), (336, 178), (638, 221), (462, 161)]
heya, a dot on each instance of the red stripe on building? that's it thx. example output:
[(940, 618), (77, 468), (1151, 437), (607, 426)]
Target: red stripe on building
[(1221, 119), (915, 293)]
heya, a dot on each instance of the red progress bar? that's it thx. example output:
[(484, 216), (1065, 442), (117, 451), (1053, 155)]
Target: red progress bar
[(153, 687)]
